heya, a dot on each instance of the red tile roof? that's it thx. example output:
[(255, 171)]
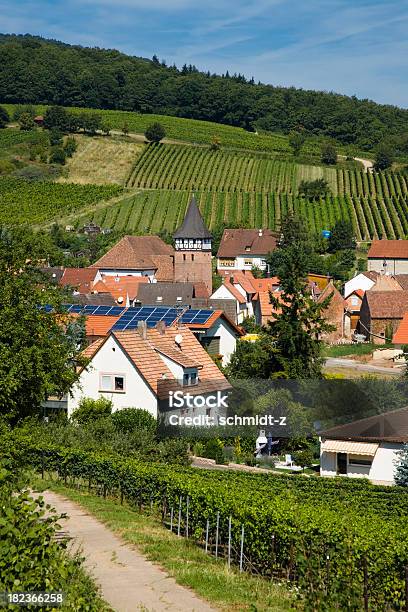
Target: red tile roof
[(234, 291), (388, 249), (387, 304), (79, 278), (140, 253), (246, 241), (120, 286), (401, 335), (96, 325), (213, 318)]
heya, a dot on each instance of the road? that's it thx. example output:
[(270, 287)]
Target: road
[(352, 364)]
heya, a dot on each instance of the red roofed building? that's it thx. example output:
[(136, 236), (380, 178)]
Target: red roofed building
[(124, 289), (353, 305), (80, 279), (401, 335), (388, 256), (242, 249)]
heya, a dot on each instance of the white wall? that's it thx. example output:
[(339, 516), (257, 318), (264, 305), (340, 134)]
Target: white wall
[(256, 260), (394, 266), (120, 272), (382, 468), (360, 281), (111, 359)]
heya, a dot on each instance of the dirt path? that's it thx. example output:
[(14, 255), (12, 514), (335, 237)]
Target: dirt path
[(368, 165), (128, 581)]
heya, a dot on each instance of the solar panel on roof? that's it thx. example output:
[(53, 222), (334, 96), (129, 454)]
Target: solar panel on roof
[(196, 316)]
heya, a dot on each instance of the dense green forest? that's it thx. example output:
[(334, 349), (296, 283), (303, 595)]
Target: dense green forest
[(35, 70)]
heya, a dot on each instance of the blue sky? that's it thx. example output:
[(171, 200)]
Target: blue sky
[(355, 47)]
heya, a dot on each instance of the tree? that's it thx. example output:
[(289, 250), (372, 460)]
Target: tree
[(28, 109), (155, 132), (56, 117), (58, 156), (90, 410), (70, 146), (304, 458), (342, 236), (4, 117), (313, 190), (26, 122), (296, 142), (132, 419), (384, 157), (299, 321), (37, 358), (329, 154), (125, 129), (257, 359), (215, 144), (55, 137)]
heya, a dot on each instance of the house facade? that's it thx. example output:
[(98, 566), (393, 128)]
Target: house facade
[(138, 368), (381, 313), (388, 256), (242, 249), (368, 448)]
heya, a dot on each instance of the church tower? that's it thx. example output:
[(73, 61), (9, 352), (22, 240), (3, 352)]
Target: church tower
[(192, 259)]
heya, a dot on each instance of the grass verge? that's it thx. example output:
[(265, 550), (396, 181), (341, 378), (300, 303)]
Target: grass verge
[(226, 589)]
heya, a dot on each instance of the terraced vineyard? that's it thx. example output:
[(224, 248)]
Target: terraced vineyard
[(153, 211), (179, 167)]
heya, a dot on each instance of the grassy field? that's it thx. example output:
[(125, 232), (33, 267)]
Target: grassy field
[(101, 160), (225, 589)]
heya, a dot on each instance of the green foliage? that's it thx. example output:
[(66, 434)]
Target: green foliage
[(401, 473), (384, 157), (250, 326), (91, 410), (37, 358), (313, 190), (299, 321), (57, 156), (214, 449), (26, 122), (125, 129), (304, 458), (259, 359), (6, 167), (309, 520), (142, 86), (215, 144), (24, 202), (70, 146), (342, 236), (4, 117), (155, 132), (24, 109), (130, 419), (296, 141), (55, 137), (329, 154)]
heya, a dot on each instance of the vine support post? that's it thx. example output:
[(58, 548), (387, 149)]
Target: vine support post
[(207, 529), (365, 576), (406, 588), (241, 553), (171, 518), (229, 542), (217, 530), (179, 518), (187, 514), (89, 484)]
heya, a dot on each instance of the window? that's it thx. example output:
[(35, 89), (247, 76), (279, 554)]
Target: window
[(354, 300), (113, 383), (227, 263), (192, 258), (360, 461), (247, 262), (190, 379)]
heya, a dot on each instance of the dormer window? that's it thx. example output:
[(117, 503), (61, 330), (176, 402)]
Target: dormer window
[(190, 379), (247, 248)]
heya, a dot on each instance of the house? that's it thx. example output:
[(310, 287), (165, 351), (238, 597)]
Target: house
[(137, 368), (138, 256), (124, 289), (169, 294), (363, 281), (39, 120), (192, 255), (388, 256), (81, 280), (242, 249), (263, 309), (239, 289), (218, 335), (381, 313), (353, 305), (366, 448), (400, 337), (334, 313)]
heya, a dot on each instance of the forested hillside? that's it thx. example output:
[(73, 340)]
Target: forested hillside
[(48, 72)]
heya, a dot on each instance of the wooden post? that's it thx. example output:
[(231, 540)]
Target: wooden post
[(241, 556), (171, 518), (216, 535), (365, 574), (179, 518), (406, 588), (207, 529), (187, 515), (229, 542)]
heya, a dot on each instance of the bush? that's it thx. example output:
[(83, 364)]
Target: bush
[(70, 146), (6, 167), (174, 451), (57, 156), (329, 154), (55, 137), (131, 419), (155, 132), (4, 117), (214, 450), (91, 410)]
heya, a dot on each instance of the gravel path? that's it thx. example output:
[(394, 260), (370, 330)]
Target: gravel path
[(128, 581)]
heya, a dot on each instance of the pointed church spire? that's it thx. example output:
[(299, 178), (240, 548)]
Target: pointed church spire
[(193, 226)]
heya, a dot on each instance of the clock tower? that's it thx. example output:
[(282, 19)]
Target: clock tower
[(192, 258)]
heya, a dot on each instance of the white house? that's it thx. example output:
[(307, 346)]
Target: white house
[(365, 448), (218, 335), (242, 249), (363, 281), (388, 256), (239, 289), (137, 368)]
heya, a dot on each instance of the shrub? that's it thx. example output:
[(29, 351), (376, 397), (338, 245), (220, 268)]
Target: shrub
[(57, 156), (214, 450), (329, 154), (131, 419), (91, 410), (4, 117), (70, 146), (6, 167), (155, 132)]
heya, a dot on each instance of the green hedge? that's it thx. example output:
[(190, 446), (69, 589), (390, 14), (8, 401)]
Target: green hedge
[(336, 539)]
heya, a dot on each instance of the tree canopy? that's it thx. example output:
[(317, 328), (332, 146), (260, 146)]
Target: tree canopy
[(38, 71)]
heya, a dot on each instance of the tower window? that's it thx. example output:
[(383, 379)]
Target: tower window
[(192, 258), (184, 257)]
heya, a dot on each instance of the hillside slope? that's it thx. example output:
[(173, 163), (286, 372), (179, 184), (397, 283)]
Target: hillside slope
[(43, 71)]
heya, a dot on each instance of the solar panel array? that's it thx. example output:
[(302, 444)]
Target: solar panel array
[(89, 309), (130, 317)]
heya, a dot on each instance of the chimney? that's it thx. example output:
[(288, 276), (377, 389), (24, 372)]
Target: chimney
[(161, 327), (142, 329)]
